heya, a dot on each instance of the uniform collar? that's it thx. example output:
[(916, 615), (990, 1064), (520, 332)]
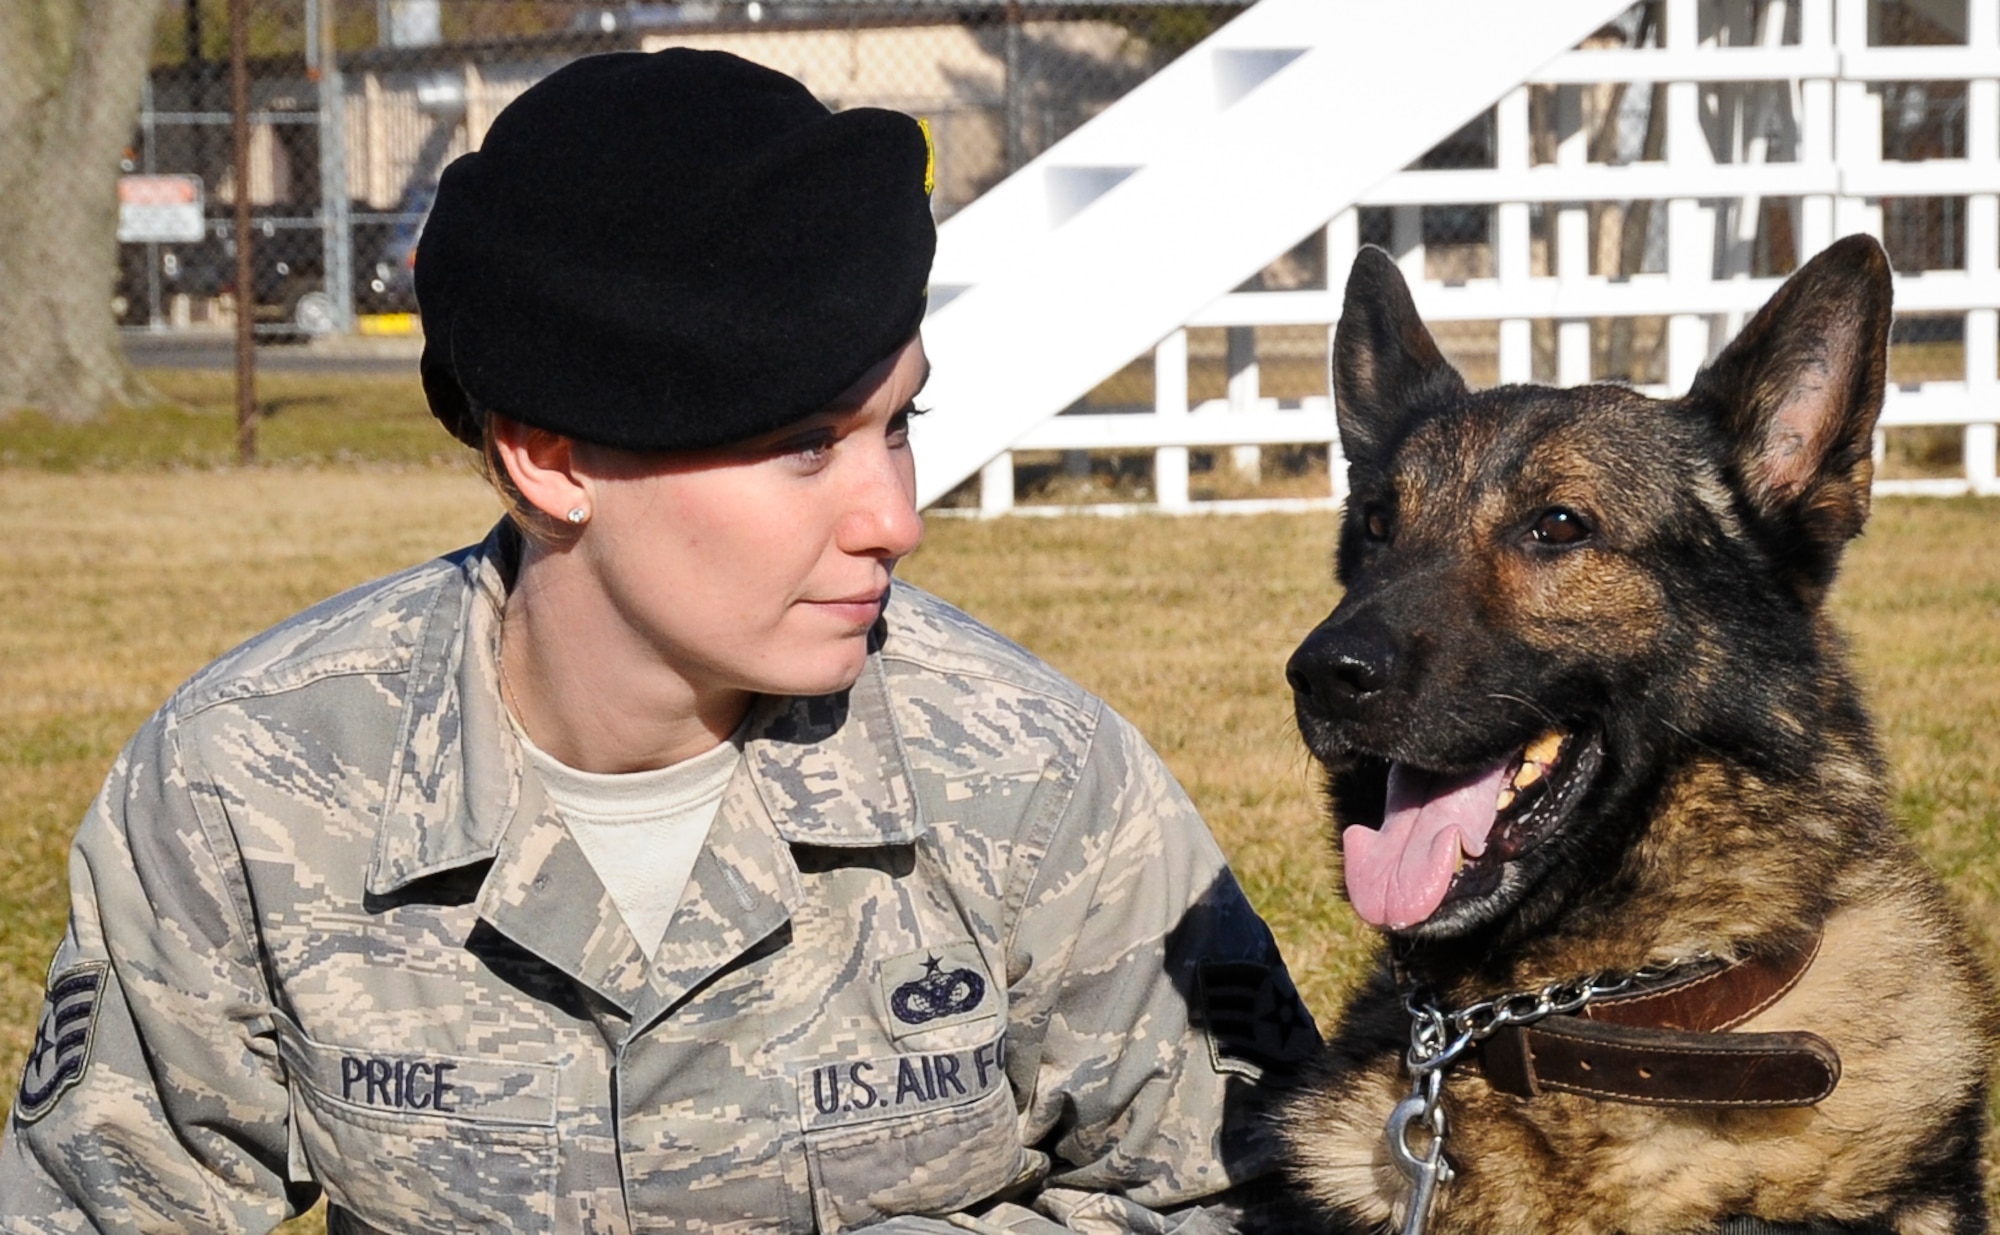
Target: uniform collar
[(457, 777), (828, 770), (831, 770)]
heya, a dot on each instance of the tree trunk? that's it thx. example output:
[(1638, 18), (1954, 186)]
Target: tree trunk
[(71, 73)]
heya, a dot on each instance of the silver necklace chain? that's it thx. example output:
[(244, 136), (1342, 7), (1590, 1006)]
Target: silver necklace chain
[(1439, 1039)]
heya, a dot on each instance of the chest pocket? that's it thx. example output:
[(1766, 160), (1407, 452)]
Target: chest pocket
[(925, 1133), (408, 1141)]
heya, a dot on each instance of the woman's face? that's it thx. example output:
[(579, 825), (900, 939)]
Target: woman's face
[(760, 567)]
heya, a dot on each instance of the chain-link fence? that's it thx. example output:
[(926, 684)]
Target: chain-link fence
[(356, 106)]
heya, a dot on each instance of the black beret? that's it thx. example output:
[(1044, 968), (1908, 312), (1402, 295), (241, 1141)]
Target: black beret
[(672, 250)]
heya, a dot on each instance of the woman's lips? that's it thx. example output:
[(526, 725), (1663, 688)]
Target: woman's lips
[(860, 610)]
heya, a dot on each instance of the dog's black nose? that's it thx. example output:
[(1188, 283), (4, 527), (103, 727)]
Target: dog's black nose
[(1341, 667)]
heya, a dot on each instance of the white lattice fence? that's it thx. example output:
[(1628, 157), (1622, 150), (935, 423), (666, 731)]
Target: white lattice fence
[(1770, 127)]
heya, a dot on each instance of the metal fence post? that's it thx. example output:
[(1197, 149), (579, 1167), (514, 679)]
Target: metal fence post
[(246, 296), (1015, 106), (336, 229)]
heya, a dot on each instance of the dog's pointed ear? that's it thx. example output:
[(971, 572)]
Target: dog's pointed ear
[(1797, 394), (1384, 362)]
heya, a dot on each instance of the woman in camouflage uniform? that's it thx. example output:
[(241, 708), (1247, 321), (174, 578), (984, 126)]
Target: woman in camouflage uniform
[(657, 863)]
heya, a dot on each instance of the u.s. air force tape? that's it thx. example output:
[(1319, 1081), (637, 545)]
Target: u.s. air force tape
[(62, 1040), (841, 1093)]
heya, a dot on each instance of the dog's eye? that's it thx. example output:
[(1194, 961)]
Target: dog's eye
[(1375, 521), (1559, 525)]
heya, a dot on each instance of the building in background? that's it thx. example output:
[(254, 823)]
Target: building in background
[(340, 178)]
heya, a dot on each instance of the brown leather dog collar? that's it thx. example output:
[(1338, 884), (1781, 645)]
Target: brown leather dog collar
[(1669, 1045)]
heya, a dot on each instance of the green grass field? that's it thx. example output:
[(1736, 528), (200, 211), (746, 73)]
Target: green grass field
[(132, 558)]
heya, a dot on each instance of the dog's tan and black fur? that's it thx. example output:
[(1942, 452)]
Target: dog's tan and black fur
[(1646, 580)]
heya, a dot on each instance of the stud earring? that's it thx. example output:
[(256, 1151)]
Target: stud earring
[(577, 515)]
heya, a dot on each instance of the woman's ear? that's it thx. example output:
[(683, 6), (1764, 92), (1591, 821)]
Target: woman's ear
[(542, 466)]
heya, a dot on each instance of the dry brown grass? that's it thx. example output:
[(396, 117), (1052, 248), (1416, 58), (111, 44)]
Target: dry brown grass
[(1184, 626), (115, 587)]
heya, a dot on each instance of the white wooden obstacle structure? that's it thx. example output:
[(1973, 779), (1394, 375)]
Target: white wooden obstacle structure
[(1138, 225)]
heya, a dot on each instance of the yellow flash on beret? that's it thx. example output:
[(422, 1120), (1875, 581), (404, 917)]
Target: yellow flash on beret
[(930, 158)]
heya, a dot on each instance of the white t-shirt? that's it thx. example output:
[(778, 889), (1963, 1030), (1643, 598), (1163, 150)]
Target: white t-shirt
[(641, 830)]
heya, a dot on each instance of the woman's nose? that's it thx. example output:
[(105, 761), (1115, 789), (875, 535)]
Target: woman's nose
[(883, 518)]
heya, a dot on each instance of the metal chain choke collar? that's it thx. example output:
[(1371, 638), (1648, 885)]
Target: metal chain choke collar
[(1439, 1039)]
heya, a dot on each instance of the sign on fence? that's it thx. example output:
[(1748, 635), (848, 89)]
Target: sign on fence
[(159, 208)]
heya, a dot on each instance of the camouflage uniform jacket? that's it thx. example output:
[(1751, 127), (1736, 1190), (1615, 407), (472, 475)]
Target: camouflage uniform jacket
[(957, 941)]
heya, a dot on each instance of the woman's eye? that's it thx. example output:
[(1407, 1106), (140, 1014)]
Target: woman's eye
[(899, 424), (808, 449), (1559, 525), (1375, 521)]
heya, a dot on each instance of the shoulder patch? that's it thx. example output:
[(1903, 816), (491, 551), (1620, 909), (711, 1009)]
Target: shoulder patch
[(1255, 1021), (62, 1040)]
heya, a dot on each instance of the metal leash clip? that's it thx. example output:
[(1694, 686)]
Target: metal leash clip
[(1426, 1171), (1432, 1050), (1438, 1039)]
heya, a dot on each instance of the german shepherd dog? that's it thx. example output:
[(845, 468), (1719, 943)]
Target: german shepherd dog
[(1657, 959)]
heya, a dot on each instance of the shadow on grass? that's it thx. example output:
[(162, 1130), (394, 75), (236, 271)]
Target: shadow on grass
[(271, 409), (305, 419)]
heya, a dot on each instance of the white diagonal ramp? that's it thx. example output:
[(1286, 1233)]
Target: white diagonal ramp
[(1190, 184)]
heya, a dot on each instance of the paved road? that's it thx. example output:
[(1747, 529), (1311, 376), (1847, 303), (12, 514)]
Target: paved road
[(217, 350)]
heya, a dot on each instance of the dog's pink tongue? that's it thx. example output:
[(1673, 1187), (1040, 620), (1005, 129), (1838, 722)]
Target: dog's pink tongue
[(1397, 875)]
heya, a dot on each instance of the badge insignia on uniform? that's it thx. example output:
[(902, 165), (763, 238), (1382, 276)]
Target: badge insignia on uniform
[(936, 987), (937, 994), (1255, 1020), (62, 1040)]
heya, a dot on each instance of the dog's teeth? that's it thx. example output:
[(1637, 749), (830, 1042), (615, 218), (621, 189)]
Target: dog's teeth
[(1526, 775), (1545, 748), (1506, 799)]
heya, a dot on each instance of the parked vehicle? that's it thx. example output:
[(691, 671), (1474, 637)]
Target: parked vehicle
[(290, 300), (390, 282)]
